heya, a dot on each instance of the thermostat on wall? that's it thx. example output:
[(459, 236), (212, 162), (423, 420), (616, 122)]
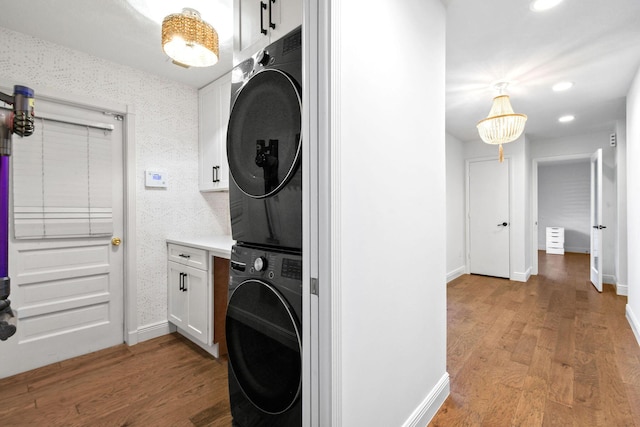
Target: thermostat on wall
[(155, 179)]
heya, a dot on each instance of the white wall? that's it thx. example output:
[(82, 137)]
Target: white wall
[(564, 200), (388, 103), (519, 224), (455, 208), (621, 191), (166, 138), (633, 205), (588, 144)]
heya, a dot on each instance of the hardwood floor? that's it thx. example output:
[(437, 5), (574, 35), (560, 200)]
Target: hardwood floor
[(549, 352), (167, 381), (552, 351)]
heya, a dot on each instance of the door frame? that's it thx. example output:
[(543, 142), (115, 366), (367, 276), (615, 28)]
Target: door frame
[(467, 194), (595, 165), (130, 309), (534, 199)]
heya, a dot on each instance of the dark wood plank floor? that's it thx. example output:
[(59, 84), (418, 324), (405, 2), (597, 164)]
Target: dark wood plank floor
[(549, 352), (167, 381)]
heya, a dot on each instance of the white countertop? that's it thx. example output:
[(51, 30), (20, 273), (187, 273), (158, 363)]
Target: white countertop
[(219, 246)]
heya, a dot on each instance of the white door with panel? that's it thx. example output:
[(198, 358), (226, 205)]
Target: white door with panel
[(65, 257), (596, 220), (488, 218)]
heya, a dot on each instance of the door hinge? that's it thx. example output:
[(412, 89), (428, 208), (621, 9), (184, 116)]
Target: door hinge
[(314, 286)]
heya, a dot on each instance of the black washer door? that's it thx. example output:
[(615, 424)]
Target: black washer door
[(264, 345), (263, 138)]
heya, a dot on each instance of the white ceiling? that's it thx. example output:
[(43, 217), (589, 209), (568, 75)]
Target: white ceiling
[(594, 43), (118, 31)]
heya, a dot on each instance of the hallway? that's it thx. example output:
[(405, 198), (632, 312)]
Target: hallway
[(552, 351)]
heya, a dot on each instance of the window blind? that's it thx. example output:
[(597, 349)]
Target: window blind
[(62, 181)]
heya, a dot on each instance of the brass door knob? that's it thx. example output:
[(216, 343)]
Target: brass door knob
[(116, 241)]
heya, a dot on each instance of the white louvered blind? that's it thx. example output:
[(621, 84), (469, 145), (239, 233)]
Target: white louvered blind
[(62, 181)]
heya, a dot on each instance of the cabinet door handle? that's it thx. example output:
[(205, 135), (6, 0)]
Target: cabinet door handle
[(271, 23), (263, 6), (181, 282), (216, 178), (184, 256)]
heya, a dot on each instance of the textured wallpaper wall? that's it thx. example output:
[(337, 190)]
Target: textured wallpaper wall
[(166, 138)]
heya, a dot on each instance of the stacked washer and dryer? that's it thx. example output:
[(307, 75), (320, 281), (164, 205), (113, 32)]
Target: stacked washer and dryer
[(264, 311)]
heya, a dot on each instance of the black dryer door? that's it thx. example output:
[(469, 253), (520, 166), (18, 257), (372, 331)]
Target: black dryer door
[(264, 346), (263, 137)]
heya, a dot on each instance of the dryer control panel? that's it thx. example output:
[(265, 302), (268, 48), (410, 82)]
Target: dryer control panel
[(283, 269), (249, 262)]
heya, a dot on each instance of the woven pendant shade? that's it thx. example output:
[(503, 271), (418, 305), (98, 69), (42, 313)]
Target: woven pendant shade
[(188, 40)]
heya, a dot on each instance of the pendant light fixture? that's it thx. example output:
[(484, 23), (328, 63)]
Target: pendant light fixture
[(502, 125), (188, 40)]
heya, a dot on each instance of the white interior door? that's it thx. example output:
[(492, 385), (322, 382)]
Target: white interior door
[(489, 218), (67, 204), (596, 220)]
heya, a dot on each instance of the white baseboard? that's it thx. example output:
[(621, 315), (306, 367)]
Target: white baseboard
[(455, 273), (153, 330), (609, 279), (521, 277), (576, 250), (622, 289), (633, 321), (572, 249), (430, 405)]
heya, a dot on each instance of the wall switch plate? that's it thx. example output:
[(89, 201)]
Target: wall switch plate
[(155, 179)]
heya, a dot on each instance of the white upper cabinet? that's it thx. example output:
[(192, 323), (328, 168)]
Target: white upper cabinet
[(261, 22), (214, 105)]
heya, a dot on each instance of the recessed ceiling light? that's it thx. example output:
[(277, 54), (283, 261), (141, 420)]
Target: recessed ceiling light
[(562, 86), (565, 119), (540, 5)]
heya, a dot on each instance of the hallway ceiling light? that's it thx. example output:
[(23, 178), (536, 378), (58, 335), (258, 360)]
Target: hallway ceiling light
[(502, 125), (540, 5), (562, 86), (566, 119), (188, 40)]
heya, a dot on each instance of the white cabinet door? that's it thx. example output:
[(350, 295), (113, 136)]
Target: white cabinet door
[(188, 294), (288, 14), (177, 300), (198, 301), (261, 22), (252, 25), (214, 106)]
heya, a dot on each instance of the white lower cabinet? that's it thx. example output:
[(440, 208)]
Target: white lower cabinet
[(188, 296), (197, 292)]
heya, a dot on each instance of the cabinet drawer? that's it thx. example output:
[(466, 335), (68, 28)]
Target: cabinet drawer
[(555, 234), (185, 255), (556, 240), (557, 251)]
